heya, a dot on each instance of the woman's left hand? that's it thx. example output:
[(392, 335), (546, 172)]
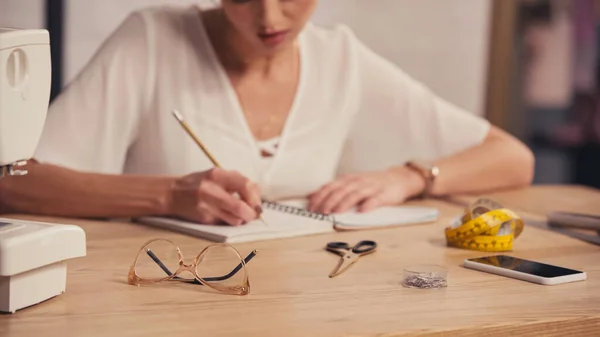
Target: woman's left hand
[(367, 191)]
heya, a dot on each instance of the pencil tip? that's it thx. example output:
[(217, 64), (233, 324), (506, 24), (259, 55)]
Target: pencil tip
[(263, 220)]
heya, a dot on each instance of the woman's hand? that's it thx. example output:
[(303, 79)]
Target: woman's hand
[(209, 198), (367, 191)]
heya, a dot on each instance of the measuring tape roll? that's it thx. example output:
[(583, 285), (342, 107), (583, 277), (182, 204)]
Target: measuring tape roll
[(485, 226)]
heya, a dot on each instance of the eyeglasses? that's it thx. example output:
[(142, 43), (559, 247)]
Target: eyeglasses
[(157, 259)]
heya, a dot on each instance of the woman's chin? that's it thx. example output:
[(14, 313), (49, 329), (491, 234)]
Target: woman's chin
[(269, 49)]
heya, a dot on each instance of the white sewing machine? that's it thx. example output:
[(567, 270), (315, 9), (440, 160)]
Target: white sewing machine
[(25, 69), (32, 254)]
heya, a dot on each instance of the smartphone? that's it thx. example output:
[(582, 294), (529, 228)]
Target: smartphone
[(525, 270)]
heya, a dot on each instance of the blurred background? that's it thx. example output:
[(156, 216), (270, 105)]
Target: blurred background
[(529, 66)]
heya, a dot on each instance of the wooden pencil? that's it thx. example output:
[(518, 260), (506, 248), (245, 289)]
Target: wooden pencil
[(202, 147)]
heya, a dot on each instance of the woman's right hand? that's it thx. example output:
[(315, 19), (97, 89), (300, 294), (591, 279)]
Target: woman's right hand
[(209, 198)]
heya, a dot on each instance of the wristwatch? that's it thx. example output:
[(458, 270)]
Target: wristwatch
[(427, 170)]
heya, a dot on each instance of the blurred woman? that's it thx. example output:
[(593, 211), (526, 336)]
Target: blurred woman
[(289, 109)]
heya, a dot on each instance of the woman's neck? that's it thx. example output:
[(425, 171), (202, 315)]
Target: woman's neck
[(237, 55)]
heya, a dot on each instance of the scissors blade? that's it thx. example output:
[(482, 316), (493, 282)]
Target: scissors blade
[(344, 263)]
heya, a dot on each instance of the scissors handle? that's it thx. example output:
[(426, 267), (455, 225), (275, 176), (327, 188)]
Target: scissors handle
[(365, 246), (340, 248), (362, 247), (338, 245)]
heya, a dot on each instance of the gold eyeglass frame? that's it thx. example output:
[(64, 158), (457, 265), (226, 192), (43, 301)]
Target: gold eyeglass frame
[(243, 289)]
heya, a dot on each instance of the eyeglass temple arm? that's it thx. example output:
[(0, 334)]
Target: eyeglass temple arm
[(208, 279), (158, 262)]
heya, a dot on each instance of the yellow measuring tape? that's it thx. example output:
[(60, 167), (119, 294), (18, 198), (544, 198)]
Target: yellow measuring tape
[(485, 226)]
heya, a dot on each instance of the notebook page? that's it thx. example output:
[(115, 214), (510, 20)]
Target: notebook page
[(388, 216), (280, 225), (379, 217)]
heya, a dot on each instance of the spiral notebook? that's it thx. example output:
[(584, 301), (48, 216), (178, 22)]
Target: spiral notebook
[(291, 219)]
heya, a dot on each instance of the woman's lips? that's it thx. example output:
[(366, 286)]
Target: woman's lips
[(273, 38)]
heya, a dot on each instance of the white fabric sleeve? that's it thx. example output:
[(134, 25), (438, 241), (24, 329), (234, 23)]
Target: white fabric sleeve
[(401, 119), (94, 121)]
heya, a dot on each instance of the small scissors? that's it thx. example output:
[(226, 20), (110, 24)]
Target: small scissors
[(349, 254)]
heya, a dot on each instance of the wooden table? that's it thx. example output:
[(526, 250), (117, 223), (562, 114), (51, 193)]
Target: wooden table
[(292, 296)]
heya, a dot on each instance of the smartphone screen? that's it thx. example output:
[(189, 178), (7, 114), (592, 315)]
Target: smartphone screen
[(525, 266)]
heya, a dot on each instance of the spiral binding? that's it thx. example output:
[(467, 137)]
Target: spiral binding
[(297, 211)]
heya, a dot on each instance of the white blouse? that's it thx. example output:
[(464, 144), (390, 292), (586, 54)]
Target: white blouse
[(353, 111)]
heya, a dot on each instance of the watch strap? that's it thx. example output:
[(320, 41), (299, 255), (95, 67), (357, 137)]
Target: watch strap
[(429, 174)]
